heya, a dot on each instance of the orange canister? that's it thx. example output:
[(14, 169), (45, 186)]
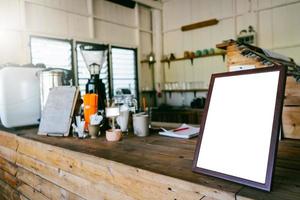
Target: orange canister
[(90, 102)]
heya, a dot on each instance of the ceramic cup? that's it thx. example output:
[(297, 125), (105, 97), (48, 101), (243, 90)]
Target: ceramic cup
[(122, 120), (113, 136), (94, 131), (141, 124)]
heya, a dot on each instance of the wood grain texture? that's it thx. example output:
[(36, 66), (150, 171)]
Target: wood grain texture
[(291, 122), (46, 188), (292, 92), (7, 166), (70, 182), (8, 154), (135, 168), (120, 176), (8, 140), (8, 179), (234, 57), (7, 192), (202, 24), (31, 193)]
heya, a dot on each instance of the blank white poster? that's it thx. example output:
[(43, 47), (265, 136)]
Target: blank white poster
[(237, 133)]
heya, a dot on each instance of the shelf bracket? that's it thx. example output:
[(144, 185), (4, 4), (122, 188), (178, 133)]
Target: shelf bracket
[(192, 61)]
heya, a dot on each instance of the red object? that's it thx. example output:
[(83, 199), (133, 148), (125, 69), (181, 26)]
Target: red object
[(180, 129)]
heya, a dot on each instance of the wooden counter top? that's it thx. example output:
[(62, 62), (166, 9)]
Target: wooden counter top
[(170, 159)]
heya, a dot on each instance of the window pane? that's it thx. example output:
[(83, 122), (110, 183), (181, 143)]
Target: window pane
[(124, 69), (53, 53)]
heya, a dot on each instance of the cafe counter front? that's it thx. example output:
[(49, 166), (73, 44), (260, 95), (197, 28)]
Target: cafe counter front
[(153, 167)]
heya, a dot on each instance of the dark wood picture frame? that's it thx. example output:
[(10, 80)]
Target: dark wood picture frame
[(274, 134)]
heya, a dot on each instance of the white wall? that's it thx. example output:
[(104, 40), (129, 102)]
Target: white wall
[(276, 22), (97, 21), (85, 20)]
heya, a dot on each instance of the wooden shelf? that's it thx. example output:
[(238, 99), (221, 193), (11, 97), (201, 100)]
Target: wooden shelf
[(148, 91), (187, 90), (147, 61), (184, 58)]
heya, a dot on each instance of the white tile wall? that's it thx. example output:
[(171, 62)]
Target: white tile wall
[(9, 14), (11, 46), (265, 33), (78, 26), (42, 19), (145, 18), (116, 34)]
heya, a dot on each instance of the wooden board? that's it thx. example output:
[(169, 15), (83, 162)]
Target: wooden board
[(154, 167), (42, 186), (58, 112), (292, 92), (234, 57), (291, 122), (7, 192), (202, 24)]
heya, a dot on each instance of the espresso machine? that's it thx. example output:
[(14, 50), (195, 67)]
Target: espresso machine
[(94, 57)]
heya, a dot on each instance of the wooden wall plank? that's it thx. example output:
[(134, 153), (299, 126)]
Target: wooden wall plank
[(8, 178), (291, 122), (208, 198), (120, 176), (45, 187), (8, 140), (75, 184), (292, 92), (7, 192), (22, 197), (8, 166), (31, 193), (8, 154)]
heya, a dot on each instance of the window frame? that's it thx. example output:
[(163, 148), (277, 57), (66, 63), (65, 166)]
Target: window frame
[(108, 61), (135, 50), (74, 60), (70, 41)]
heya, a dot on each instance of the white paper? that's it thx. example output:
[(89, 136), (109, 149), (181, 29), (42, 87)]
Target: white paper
[(187, 133), (238, 128)]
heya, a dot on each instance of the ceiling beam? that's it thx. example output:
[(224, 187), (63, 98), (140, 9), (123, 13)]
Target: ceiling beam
[(151, 3)]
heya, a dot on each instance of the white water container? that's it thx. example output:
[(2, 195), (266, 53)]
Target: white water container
[(19, 95)]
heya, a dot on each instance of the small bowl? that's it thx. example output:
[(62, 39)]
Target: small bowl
[(113, 136)]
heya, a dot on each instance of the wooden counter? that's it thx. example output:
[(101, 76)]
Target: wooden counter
[(155, 167)]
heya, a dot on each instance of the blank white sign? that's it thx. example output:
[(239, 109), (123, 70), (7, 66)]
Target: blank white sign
[(238, 128)]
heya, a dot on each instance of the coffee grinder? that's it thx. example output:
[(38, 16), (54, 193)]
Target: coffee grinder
[(94, 57)]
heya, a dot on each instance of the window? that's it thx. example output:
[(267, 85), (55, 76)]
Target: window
[(124, 69), (53, 53), (84, 74)]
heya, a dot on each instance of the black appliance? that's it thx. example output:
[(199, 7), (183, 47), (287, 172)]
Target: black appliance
[(94, 57)]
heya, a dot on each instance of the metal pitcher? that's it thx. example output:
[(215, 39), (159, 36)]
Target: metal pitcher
[(50, 78)]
